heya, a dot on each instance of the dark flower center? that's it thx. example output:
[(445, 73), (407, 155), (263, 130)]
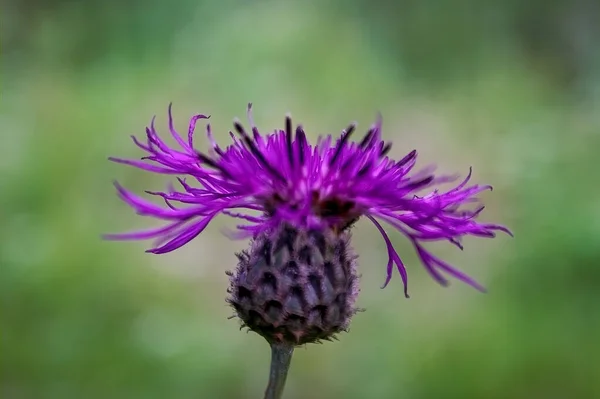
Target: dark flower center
[(340, 213), (334, 207)]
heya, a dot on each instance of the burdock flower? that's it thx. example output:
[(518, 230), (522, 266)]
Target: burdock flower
[(298, 282)]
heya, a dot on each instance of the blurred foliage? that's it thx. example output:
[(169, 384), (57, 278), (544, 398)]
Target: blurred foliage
[(511, 88)]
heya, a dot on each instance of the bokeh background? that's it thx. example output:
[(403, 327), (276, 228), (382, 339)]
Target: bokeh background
[(511, 88)]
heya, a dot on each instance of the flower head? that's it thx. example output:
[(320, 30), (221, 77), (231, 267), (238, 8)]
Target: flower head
[(280, 178)]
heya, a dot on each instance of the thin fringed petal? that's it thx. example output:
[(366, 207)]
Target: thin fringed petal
[(393, 258), (147, 208), (144, 234), (174, 133), (432, 261), (147, 167), (192, 127), (184, 236)]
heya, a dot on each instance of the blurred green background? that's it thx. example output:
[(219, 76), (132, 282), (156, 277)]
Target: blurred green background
[(511, 88)]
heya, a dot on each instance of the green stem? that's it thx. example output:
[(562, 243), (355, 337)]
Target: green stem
[(281, 357)]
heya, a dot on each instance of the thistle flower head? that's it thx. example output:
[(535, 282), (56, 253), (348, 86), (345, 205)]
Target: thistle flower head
[(280, 178)]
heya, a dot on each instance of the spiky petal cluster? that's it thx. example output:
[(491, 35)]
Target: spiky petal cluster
[(267, 180)]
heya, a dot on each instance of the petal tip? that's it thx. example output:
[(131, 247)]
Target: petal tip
[(109, 237)]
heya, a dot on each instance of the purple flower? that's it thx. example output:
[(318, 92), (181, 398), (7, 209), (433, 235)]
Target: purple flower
[(268, 180)]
